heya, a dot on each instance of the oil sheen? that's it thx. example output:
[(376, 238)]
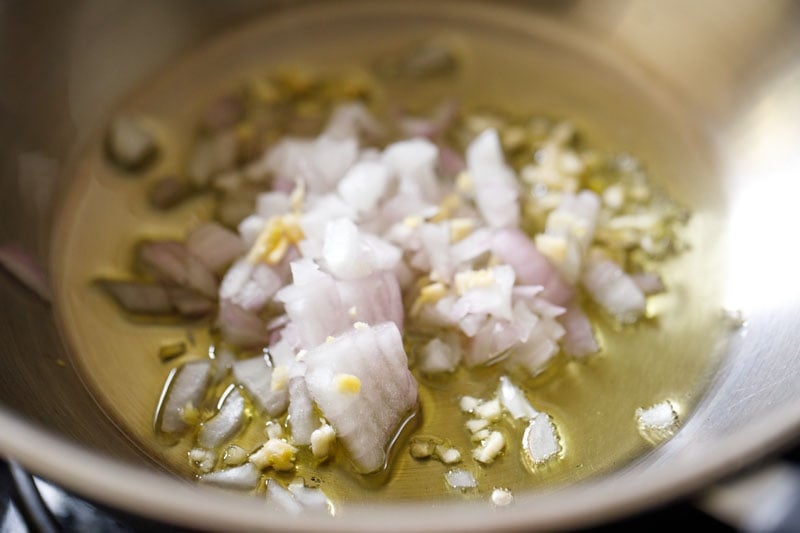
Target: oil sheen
[(504, 66)]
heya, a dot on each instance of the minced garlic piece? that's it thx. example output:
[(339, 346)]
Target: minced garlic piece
[(273, 242), (361, 325), (347, 384), (353, 312), (300, 355), (490, 449), (476, 424), (412, 222), (502, 497), (431, 293), (203, 459), (322, 440), (298, 196), (491, 410), (460, 228), (464, 183), (190, 414), (479, 435), (234, 455), (554, 247), (421, 448), (468, 403), (274, 429), (447, 455), (470, 279), (275, 453), (330, 338), (447, 207), (280, 378)]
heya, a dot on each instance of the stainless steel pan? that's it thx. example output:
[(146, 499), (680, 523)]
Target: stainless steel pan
[(729, 72)]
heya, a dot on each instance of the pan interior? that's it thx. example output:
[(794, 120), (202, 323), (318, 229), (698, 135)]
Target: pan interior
[(537, 69)]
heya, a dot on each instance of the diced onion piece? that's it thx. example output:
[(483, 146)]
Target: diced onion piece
[(364, 185), (367, 421), (578, 340), (255, 375), (226, 423), (496, 189), (322, 440), (302, 418), (215, 245), (130, 144), (244, 477), (613, 289), (240, 326), (460, 479), (186, 389), (540, 441), (312, 499), (515, 248), (438, 356), (649, 282), (281, 500)]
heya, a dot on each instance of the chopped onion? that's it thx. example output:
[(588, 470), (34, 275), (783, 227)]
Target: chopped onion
[(240, 326), (613, 289), (514, 400), (214, 245), (460, 479), (378, 382), (255, 375), (244, 477), (578, 338), (439, 356), (185, 390), (302, 418), (228, 421), (496, 188)]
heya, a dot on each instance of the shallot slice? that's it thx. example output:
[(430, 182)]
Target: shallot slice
[(363, 371), (184, 391), (244, 477), (256, 376), (228, 421), (579, 340), (613, 289), (496, 187)]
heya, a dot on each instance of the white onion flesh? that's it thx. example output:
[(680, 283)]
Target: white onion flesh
[(187, 388), (223, 426), (244, 477), (255, 375), (375, 357), (613, 289)]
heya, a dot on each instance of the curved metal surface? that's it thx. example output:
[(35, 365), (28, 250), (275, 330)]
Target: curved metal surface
[(733, 68)]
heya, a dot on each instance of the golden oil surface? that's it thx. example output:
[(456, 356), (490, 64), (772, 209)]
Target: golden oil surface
[(592, 403)]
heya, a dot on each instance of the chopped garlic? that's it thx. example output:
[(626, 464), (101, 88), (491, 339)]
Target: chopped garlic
[(421, 448), (274, 240), (476, 424), (468, 403), (464, 183), (322, 440), (470, 279), (280, 378), (412, 222), (553, 246), (447, 455), (330, 338), (361, 325), (490, 449), (203, 459), (234, 455), (502, 497), (479, 435), (460, 228), (353, 312), (491, 410), (347, 384), (431, 293), (275, 453), (190, 414), (274, 429), (300, 355)]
